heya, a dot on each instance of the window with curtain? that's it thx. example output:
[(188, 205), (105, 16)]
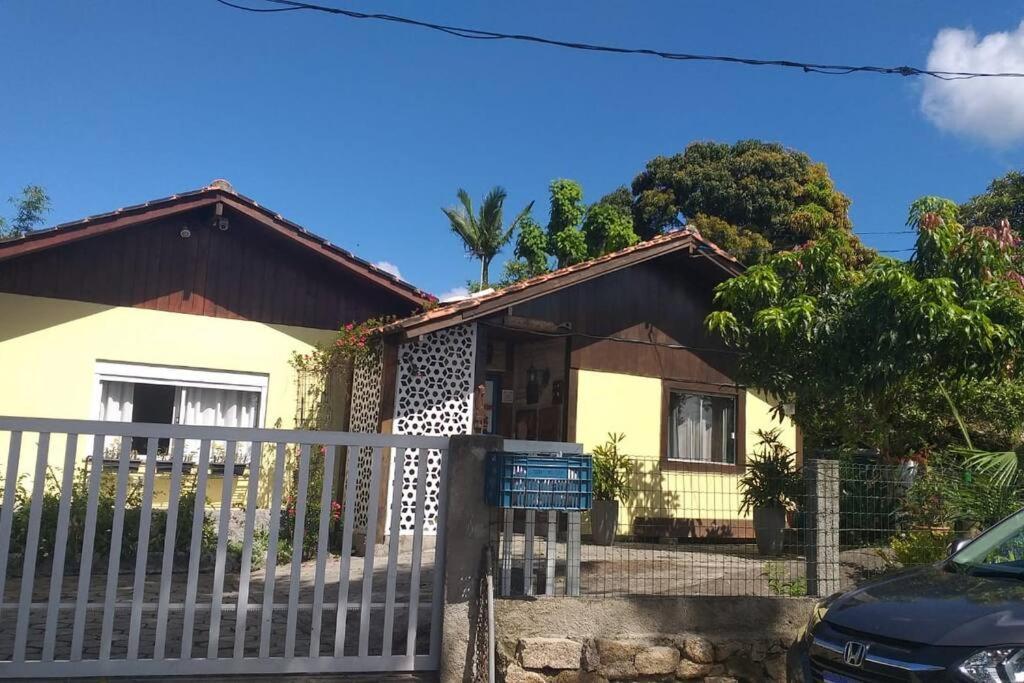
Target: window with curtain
[(702, 428), (178, 397)]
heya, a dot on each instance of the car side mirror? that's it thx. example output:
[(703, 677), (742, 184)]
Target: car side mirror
[(958, 545)]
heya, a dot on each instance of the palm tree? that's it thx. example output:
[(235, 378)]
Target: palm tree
[(484, 235)]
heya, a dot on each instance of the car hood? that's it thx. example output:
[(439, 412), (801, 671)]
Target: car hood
[(936, 607)]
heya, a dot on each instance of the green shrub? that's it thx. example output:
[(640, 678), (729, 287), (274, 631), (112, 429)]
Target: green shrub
[(311, 521), (917, 547), (612, 470), (780, 584), (772, 477), (947, 493), (105, 509)]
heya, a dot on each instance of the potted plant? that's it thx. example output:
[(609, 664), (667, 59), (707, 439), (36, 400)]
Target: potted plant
[(612, 471), (770, 487)]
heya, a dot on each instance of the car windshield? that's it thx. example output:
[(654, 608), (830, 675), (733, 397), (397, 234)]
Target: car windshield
[(999, 550)]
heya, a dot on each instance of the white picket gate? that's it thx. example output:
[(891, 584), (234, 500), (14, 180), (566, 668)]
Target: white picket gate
[(103, 574)]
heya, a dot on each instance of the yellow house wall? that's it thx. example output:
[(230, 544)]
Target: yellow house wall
[(632, 405), (49, 348)]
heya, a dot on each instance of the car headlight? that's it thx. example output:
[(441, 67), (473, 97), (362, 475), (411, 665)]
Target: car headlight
[(995, 666)]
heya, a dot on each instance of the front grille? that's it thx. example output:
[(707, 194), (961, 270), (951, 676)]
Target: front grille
[(885, 662), (818, 672)]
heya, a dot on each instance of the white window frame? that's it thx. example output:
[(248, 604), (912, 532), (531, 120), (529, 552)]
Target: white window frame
[(144, 373)]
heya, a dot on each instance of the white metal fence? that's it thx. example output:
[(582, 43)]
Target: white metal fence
[(148, 565)]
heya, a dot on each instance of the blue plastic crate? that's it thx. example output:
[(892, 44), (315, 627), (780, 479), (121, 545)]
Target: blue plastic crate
[(539, 481)]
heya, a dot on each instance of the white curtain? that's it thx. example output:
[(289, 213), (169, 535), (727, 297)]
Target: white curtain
[(690, 433), (217, 408), (116, 401)]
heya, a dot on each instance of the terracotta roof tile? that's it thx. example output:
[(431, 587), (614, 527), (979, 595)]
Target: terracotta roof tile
[(445, 310)]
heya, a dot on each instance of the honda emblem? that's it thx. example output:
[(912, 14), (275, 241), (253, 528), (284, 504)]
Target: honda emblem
[(854, 653)]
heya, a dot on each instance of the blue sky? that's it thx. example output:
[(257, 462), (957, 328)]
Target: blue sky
[(362, 131)]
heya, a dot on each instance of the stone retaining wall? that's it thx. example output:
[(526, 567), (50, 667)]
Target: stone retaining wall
[(593, 640), (680, 657)]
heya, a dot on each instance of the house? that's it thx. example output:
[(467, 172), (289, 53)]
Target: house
[(615, 344), (182, 310)]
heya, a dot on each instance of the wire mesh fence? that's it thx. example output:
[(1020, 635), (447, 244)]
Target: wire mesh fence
[(683, 530)]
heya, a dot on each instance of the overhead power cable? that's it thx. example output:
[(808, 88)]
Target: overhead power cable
[(480, 34)]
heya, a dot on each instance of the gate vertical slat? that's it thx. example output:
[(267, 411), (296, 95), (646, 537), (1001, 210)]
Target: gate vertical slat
[(572, 554), (195, 549), (28, 571), (60, 548), (88, 545), (298, 536), (114, 560), (245, 571), (217, 594), (323, 531), (437, 594), (139, 587), (550, 553), (7, 509), (506, 551), (417, 552), (349, 503), (394, 537), (170, 545), (368, 555), (270, 573), (528, 580)]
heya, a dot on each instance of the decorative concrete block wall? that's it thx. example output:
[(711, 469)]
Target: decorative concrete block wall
[(364, 417), (433, 397)]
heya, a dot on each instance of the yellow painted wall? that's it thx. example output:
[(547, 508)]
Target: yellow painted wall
[(610, 402), (49, 348)]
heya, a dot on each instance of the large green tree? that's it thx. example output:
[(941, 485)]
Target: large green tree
[(565, 241), (866, 353), (483, 234), (30, 209), (759, 193), (1003, 200), (575, 231)]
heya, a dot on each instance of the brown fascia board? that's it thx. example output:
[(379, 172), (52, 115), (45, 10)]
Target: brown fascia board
[(102, 224), (140, 214), (413, 329)]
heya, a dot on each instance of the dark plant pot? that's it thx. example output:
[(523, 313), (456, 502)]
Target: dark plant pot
[(769, 529), (604, 520)]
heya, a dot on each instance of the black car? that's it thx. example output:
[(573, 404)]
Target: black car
[(959, 620)]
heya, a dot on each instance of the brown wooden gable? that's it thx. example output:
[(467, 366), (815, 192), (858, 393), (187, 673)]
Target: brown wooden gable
[(644, 320), (251, 271)]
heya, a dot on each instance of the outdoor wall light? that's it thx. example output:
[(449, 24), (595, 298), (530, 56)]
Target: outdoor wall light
[(185, 233)]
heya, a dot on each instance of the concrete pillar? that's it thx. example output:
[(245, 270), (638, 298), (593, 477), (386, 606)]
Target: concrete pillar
[(468, 533), (822, 515)]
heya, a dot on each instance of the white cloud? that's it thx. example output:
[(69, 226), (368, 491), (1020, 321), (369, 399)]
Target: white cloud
[(988, 109), (389, 267), (453, 294)]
